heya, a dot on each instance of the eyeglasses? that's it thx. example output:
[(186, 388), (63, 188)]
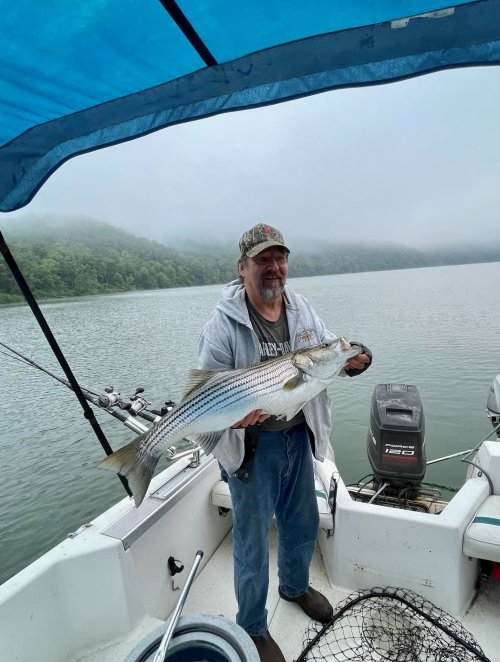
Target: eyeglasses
[(279, 258)]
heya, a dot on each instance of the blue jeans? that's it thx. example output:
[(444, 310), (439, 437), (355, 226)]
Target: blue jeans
[(281, 483)]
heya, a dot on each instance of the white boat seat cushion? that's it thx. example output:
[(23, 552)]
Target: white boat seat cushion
[(482, 536), (222, 498)]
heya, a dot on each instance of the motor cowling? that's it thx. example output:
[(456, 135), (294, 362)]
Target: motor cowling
[(493, 403), (396, 438)]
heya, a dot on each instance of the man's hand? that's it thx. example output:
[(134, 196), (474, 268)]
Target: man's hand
[(252, 418), (358, 362)]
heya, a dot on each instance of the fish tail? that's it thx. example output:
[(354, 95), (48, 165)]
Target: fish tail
[(127, 461)]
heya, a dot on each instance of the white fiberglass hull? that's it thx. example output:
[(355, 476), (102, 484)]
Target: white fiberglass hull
[(97, 594)]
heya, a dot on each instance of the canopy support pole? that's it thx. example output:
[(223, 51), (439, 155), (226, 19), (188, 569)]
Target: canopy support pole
[(31, 301)]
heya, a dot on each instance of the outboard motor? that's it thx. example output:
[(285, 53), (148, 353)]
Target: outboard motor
[(493, 404), (396, 438)]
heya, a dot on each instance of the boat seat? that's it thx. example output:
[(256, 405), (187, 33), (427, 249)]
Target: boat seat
[(482, 536), (222, 499)]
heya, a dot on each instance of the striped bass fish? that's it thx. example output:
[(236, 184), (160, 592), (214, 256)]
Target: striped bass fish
[(215, 401)]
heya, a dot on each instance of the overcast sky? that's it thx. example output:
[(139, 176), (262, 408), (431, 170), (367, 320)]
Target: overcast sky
[(412, 162)]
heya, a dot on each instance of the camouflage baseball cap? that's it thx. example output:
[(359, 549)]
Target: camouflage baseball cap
[(260, 237)]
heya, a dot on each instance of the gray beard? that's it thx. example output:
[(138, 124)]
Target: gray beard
[(271, 292)]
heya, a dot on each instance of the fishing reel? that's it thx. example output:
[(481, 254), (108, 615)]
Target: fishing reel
[(164, 409), (137, 403), (111, 398), (138, 406)]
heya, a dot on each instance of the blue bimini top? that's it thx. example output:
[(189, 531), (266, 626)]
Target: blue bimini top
[(75, 77)]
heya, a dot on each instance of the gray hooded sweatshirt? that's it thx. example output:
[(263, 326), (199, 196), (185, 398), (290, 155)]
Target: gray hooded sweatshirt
[(228, 341)]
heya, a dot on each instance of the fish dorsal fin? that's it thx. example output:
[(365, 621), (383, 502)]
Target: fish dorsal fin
[(197, 379)]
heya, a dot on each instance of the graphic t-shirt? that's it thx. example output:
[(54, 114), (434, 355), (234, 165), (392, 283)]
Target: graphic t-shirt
[(274, 340)]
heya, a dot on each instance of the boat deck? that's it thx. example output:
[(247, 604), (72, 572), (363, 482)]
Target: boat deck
[(483, 619), (212, 594), (287, 621)]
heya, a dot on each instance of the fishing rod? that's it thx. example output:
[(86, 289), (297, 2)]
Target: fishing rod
[(126, 412), (110, 401)]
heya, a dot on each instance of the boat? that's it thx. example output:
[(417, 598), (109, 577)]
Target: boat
[(72, 82), (107, 591)]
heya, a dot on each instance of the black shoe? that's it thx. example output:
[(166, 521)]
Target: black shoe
[(313, 603), (267, 648)]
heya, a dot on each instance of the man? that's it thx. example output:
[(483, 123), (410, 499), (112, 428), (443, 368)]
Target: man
[(268, 462)]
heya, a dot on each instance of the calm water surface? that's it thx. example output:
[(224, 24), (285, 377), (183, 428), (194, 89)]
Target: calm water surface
[(438, 328)]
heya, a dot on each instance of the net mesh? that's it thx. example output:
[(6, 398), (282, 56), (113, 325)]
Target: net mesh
[(389, 624)]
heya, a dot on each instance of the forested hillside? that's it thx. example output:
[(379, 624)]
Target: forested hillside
[(70, 258), (89, 257)]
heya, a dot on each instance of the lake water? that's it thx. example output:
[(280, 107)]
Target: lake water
[(438, 328)]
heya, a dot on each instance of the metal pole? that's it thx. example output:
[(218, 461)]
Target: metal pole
[(449, 457), (162, 650), (470, 450)]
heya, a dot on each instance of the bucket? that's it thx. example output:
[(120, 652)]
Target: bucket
[(199, 638)]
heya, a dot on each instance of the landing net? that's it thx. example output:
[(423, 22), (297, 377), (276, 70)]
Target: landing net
[(389, 624)]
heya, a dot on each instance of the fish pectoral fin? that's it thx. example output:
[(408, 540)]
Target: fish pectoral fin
[(294, 381), (196, 379)]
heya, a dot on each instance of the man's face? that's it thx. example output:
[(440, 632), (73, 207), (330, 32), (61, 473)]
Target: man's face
[(265, 274)]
